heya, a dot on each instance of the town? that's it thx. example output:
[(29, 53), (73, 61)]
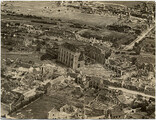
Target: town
[(78, 59)]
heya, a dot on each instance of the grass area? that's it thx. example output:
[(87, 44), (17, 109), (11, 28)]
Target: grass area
[(86, 18), (30, 57), (40, 108), (48, 9), (146, 58)]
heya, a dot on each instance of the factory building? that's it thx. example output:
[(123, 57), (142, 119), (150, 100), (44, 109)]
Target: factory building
[(71, 55)]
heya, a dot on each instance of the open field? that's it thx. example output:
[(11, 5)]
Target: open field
[(39, 108), (60, 12), (24, 57)]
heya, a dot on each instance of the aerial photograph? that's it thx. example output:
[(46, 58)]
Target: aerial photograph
[(78, 59)]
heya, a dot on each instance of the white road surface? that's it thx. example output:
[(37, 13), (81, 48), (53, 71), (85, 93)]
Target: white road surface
[(132, 92)]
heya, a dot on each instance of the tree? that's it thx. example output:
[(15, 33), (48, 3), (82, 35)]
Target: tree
[(115, 44), (134, 60), (3, 70), (108, 54), (150, 67), (137, 50)]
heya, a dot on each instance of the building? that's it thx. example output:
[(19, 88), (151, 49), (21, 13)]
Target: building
[(98, 52), (114, 68), (65, 112), (115, 113), (55, 114), (95, 53), (68, 108), (71, 55), (27, 93), (94, 82), (43, 49)]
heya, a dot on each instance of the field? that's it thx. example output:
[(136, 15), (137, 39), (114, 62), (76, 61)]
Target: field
[(39, 108), (52, 11), (29, 57)]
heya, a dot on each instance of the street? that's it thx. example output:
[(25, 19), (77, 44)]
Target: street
[(131, 92), (130, 46)]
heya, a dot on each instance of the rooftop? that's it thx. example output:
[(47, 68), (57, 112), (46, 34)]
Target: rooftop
[(74, 46), (25, 92), (98, 48)]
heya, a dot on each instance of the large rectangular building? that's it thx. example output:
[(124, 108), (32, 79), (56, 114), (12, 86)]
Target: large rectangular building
[(95, 53), (71, 55)]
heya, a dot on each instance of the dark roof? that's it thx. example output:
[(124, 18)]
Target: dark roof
[(97, 48), (74, 46), (71, 47), (117, 111), (74, 75), (95, 78)]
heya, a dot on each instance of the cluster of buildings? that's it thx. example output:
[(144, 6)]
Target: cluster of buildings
[(108, 103), (66, 112), (73, 56), (76, 56), (23, 82)]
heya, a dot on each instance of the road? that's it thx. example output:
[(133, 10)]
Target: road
[(132, 92), (97, 117), (130, 46)]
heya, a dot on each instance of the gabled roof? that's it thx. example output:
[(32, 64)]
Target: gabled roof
[(117, 111), (121, 98)]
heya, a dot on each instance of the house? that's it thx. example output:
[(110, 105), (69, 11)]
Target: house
[(47, 68), (27, 93), (79, 79), (55, 114), (65, 112), (115, 113), (137, 115), (122, 99), (73, 75), (54, 83), (68, 108), (43, 49), (150, 90), (94, 82), (99, 106)]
